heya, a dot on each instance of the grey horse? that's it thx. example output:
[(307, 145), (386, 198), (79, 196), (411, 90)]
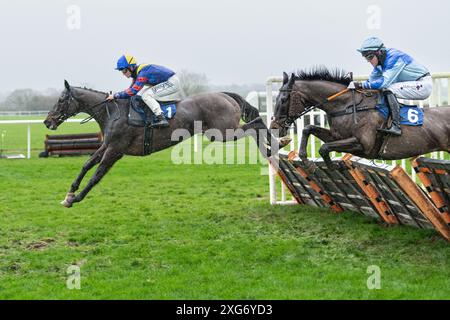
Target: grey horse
[(219, 111), (306, 90)]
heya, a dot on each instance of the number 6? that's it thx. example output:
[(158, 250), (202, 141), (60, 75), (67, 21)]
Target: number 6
[(413, 115)]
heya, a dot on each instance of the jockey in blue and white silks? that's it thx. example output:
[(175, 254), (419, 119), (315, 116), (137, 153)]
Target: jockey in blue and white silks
[(152, 82), (397, 74)]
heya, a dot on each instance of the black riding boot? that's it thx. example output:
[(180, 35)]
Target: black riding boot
[(395, 112), (161, 122)]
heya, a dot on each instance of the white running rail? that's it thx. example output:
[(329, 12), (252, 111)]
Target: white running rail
[(29, 123)]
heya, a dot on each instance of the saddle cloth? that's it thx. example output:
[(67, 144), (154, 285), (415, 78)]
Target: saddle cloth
[(409, 115), (140, 115)]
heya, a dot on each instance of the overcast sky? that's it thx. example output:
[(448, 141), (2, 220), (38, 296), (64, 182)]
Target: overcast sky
[(230, 41)]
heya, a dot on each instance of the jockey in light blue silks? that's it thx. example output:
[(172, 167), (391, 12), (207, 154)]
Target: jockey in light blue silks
[(152, 82), (397, 75)]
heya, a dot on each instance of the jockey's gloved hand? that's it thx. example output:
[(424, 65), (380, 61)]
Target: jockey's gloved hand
[(355, 85), (110, 96)]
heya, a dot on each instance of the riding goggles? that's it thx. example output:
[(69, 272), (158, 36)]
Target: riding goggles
[(368, 55)]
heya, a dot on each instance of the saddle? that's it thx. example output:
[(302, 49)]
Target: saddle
[(139, 115)]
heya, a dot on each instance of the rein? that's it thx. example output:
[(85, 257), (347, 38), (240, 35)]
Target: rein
[(98, 111)]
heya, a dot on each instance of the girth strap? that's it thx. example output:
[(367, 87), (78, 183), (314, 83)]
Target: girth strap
[(148, 137), (349, 110)]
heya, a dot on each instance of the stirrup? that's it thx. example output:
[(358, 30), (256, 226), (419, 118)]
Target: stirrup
[(162, 123), (394, 130)]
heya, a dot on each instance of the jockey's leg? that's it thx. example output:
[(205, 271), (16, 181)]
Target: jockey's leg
[(408, 90), (155, 107), (394, 106)]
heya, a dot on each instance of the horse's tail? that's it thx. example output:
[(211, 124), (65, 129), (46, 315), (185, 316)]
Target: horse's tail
[(248, 112)]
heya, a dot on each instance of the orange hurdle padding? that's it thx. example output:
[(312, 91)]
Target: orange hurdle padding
[(325, 197), (434, 195), (371, 192), (422, 202)]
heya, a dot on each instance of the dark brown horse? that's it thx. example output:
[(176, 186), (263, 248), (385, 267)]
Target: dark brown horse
[(301, 92), (219, 111)]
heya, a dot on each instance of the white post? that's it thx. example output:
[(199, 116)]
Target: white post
[(439, 92), (269, 106), (29, 142), (433, 94), (312, 139), (195, 142), (448, 89), (300, 127)]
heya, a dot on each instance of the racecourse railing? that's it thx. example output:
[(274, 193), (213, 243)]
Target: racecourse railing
[(29, 123), (23, 113), (438, 97)]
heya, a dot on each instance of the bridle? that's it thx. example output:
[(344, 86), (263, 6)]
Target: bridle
[(66, 115), (289, 120)]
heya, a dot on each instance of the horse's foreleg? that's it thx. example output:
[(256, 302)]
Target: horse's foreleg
[(92, 161), (110, 157), (349, 145), (321, 133)]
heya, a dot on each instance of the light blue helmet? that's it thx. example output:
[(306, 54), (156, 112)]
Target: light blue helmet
[(371, 44)]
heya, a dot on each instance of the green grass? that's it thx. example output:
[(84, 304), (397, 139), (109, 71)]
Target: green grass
[(155, 230)]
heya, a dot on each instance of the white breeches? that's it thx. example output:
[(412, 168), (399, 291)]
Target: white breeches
[(164, 91), (413, 90)]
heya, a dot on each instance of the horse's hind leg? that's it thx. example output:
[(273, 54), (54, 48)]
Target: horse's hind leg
[(109, 158), (255, 128), (262, 135)]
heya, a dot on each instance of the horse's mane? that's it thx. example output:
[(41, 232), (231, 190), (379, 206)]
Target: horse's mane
[(89, 89), (324, 74)]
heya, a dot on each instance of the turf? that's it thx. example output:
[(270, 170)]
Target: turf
[(155, 230)]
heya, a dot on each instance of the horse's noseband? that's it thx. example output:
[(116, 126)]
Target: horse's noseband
[(62, 116)]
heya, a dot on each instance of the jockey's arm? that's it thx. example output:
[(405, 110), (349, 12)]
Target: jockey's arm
[(135, 87), (382, 81)]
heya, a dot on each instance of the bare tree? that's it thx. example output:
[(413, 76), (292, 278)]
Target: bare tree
[(193, 83), (28, 99)]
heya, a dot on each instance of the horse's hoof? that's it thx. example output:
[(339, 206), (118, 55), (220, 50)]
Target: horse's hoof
[(283, 142), (66, 204), (68, 201), (340, 166), (310, 166)]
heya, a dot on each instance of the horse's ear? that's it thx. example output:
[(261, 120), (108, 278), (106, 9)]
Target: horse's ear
[(285, 78), (66, 84), (291, 81)]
